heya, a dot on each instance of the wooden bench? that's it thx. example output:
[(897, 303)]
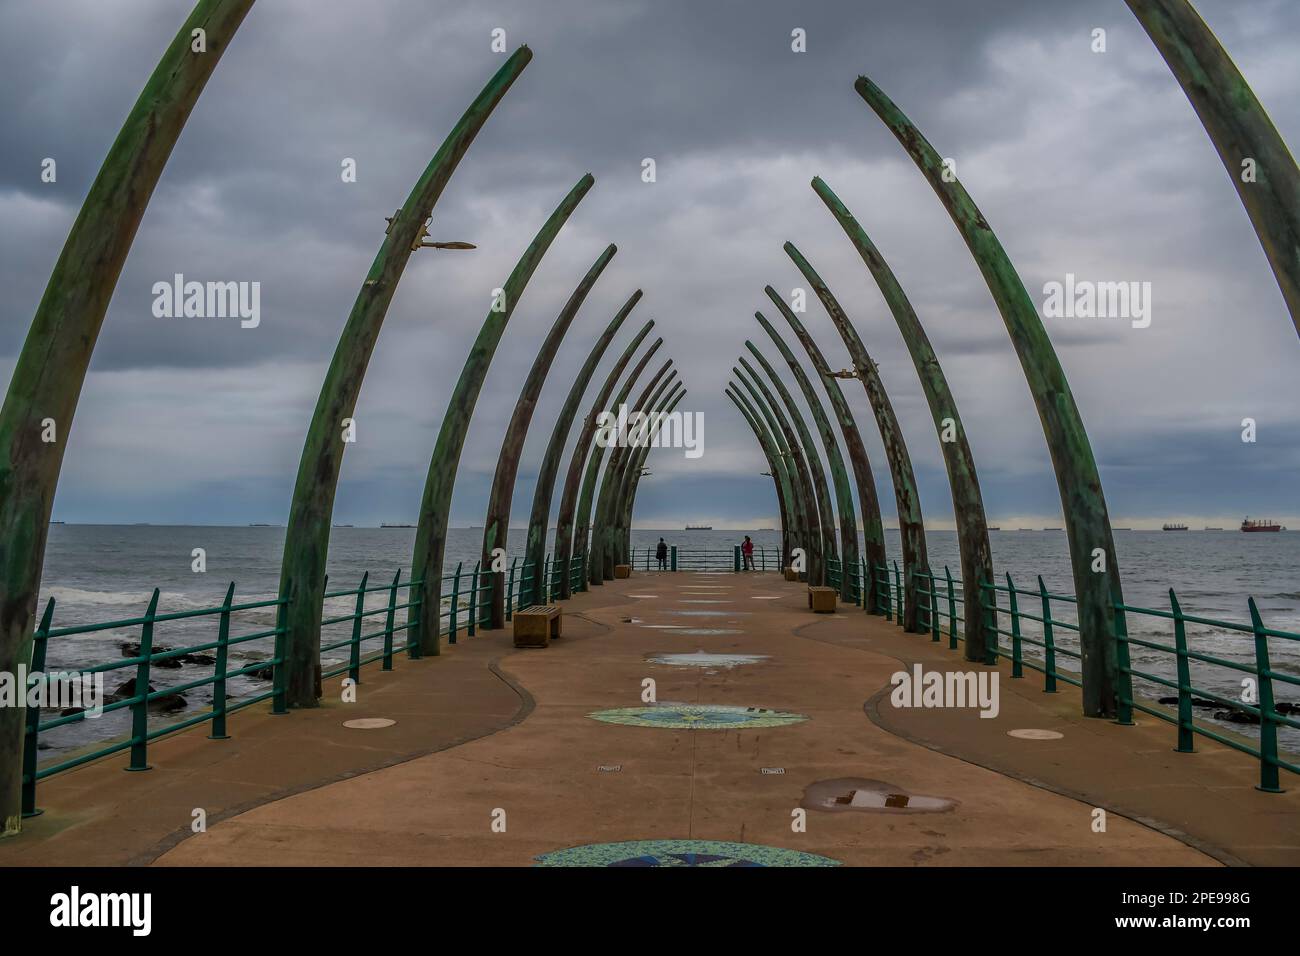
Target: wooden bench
[(536, 625), (791, 574), (822, 599), (622, 570)]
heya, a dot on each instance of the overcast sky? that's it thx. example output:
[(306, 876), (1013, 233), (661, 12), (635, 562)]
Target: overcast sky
[(1086, 163)]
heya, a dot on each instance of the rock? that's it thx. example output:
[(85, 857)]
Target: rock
[(132, 649), (1196, 702), (1236, 716), (262, 673), (166, 704)]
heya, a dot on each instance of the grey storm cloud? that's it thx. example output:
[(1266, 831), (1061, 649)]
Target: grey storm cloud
[(1085, 163)]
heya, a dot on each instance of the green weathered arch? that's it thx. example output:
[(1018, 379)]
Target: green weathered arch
[(584, 526), (777, 469), (603, 541), (911, 524), (564, 520), (497, 523), (790, 446), (307, 536), (839, 474), (51, 369), (1240, 129), (431, 529), (535, 551), (873, 528), (825, 510), (1083, 503), (967, 502), (636, 473)]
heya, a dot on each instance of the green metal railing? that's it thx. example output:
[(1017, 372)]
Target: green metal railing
[(1042, 634), (722, 559), (465, 607)]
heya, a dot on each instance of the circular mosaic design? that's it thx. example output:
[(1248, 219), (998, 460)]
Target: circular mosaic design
[(681, 853), (705, 659), (697, 717), (1031, 733)]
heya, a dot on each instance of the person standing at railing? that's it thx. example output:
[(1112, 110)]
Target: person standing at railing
[(747, 552), (661, 554)]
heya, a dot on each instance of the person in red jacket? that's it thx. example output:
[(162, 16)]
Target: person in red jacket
[(747, 551)]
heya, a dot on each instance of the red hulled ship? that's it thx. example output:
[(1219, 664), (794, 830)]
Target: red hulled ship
[(1261, 525)]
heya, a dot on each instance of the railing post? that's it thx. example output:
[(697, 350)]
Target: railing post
[(735, 558), (280, 668), (1049, 643), (1123, 677), (29, 808), (1017, 668), (219, 669), (898, 602), (1186, 734), (473, 601), (455, 605), (952, 611), (510, 590), (881, 586), (990, 612), (388, 622), (672, 553), (1268, 775), (354, 646), (932, 612), (140, 706)]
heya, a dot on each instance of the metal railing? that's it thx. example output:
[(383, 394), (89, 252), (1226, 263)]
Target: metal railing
[(466, 602), (1042, 634)]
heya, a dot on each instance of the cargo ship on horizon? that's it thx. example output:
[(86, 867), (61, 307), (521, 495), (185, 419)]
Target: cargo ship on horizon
[(1261, 525)]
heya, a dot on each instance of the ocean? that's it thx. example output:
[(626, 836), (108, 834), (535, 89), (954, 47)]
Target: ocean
[(100, 573)]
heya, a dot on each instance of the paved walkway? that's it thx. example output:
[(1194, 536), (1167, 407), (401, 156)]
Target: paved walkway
[(494, 758)]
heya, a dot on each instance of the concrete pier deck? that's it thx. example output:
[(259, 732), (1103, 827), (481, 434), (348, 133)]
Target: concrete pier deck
[(494, 758)]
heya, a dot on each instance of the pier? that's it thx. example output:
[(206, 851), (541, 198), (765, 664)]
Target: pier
[(485, 727)]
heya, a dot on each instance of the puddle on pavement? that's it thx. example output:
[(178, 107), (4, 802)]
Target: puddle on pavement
[(704, 601), (766, 597), (705, 659), (665, 627), (859, 793), (709, 631), (643, 595)]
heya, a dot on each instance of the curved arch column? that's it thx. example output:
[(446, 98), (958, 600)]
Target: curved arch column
[(51, 369), (496, 525), (1083, 503), (603, 544), (431, 530), (873, 528), (788, 442), (1240, 130), (564, 521), (637, 472), (776, 472), (535, 550), (911, 524), (825, 510), (980, 629), (839, 474)]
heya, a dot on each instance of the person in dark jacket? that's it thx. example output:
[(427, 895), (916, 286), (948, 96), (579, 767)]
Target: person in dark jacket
[(661, 553)]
